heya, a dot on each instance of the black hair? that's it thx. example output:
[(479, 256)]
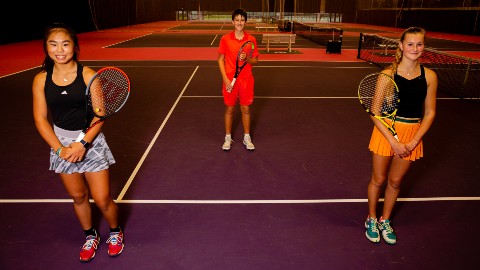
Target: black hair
[(239, 11), (48, 62)]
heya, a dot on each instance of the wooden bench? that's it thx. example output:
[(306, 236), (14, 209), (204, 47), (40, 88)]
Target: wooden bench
[(266, 26), (279, 39)]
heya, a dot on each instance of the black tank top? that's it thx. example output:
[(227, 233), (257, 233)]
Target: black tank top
[(412, 95), (67, 103)]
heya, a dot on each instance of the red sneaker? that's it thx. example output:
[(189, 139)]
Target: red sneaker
[(88, 250), (115, 243)]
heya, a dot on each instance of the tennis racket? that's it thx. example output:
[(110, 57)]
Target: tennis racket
[(245, 52), (106, 93), (378, 93)]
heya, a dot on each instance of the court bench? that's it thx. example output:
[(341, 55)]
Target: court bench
[(279, 39), (266, 26)]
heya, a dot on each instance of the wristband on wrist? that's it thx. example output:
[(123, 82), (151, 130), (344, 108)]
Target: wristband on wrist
[(85, 144), (59, 149)]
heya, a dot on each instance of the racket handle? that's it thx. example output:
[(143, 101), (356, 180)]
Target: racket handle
[(396, 137), (229, 90), (80, 136)]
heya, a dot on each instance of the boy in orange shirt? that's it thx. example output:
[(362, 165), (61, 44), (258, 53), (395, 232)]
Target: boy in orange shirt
[(244, 85)]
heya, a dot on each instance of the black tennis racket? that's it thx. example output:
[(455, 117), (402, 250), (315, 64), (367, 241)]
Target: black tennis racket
[(106, 93), (378, 93), (243, 54)]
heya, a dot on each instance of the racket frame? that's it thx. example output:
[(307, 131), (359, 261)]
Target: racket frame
[(89, 126), (239, 68), (391, 116)]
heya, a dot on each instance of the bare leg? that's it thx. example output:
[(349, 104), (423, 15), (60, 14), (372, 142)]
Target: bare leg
[(246, 118), (397, 171), (100, 188), (78, 191), (229, 110), (379, 175)]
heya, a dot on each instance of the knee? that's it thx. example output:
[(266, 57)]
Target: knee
[(229, 110), (394, 183), (377, 181), (104, 204), (245, 109), (79, 198)]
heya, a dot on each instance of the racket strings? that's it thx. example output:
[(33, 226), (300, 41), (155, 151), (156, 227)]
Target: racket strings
[(246, 49), (379, 95), (108, 92)]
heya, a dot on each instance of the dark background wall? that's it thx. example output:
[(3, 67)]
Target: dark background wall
[(22, 21)]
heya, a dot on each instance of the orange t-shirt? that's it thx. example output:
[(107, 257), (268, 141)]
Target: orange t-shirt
[(229, 47)]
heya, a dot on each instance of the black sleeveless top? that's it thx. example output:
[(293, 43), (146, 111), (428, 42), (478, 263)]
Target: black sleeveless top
[(67, 103), (412, 94)]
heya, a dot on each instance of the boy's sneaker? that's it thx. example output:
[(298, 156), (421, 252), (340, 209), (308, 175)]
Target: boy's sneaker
[(115, 243), (387, 231), (372, 232), (247, 141), (227, 144), (88, 250)]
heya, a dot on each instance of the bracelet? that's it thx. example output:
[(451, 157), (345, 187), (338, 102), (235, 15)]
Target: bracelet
[(59, 149)]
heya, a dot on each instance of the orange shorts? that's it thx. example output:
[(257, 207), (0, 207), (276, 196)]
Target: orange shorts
[(406, 129), (242, 90)]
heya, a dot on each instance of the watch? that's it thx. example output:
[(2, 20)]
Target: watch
[(85, 144)]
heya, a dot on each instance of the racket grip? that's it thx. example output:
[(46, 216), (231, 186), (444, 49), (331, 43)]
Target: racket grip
[(229, 89), (233, 82), (80, 136), (396, 137)]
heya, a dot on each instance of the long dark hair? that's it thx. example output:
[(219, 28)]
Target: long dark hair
[(48, 62), (398, 52)]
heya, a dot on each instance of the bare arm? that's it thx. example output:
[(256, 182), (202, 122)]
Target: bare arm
[(40, 114), (221, 65)]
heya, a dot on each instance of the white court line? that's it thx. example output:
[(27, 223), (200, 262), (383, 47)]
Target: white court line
[(214, 39), (429, 199), (123, 41), (19, 72), (140, 162)]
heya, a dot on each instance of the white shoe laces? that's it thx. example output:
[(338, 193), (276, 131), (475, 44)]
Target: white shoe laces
[(91, 242), (114, 238)]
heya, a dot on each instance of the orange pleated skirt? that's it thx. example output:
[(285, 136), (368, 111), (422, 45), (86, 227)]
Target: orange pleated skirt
[(406, 129)]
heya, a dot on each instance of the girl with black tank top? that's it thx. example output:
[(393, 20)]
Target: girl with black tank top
[(391, 159), (83, 166)]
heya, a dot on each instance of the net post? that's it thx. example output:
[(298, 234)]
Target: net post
[(359, 45)]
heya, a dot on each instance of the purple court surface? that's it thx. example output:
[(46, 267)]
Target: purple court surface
[(298, 202)]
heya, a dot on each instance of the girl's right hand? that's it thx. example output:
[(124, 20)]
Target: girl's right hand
[(401, 150)]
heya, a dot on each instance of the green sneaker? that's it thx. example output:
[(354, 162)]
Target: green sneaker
[(387, 231), (372, 232)]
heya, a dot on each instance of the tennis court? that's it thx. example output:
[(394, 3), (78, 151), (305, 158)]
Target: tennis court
[(297, 202)]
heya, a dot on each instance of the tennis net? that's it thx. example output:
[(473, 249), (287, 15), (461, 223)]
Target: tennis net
[(458, 76), (320, 35)]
